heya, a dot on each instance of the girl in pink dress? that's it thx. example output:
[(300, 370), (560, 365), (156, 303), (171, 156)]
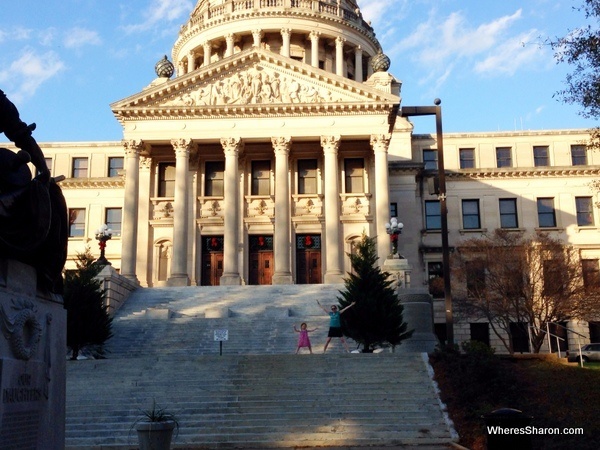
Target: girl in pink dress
[(303, 340)]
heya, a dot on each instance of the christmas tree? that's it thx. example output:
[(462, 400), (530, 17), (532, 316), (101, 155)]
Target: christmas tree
[(376, 319)]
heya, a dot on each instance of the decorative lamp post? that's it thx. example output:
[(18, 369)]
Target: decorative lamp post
[(394, 228), (103, 234)]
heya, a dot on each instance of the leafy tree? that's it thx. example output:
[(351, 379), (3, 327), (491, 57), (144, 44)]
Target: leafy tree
[(581, 49), (376, 318), (508, 277), (88, 321)]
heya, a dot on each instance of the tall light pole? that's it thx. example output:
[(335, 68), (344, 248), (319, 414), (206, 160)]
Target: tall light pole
[(408, 111)]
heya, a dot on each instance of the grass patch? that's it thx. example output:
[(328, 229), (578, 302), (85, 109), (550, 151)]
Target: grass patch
[(556, 395)]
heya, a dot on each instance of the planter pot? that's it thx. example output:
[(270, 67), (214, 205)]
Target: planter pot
[(155, 435)]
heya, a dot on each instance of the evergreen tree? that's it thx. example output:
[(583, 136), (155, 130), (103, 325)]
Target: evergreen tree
[(88, 321), (376, 318)]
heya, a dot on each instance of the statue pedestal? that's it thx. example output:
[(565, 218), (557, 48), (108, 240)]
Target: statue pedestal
[(418, 308)]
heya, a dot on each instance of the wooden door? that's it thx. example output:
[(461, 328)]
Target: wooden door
[(308, 267), (212, 268), (261, 268)]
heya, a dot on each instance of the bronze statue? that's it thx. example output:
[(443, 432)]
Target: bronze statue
[(33, 211)]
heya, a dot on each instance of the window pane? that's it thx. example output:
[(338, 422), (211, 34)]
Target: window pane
[(540, 156), (433, 216), (470, 210), (508, 213), (48, 164), (307, 176), (467, 158), (354, 169), (578, 155), (113, 218), (435, 273), (591, 274), (166, 179), (261, 178), (430, 159), (585, 214), (80, 168), (503, 157), (214, 184), (546, 217), (115, 165), (76, 222)]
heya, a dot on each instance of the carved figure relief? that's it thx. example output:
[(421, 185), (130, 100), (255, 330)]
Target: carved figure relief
[(256, 85)]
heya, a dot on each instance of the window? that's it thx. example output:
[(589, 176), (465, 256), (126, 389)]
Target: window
[(80, 168), (76, 222), (475, 278), (112, 219), (166, 179), (433, 215), (354, 169), (508, 213), (261, 178), (470, 214), (591, 274), (393, 209), (540, 156), (578, 155), (480, 332), (214, 182), (435, 274), (307, 176), (503, 157), (115, 165), (48, 162), (430, 159), (467, 158), (585, 212), (553, 276), (545, 209)]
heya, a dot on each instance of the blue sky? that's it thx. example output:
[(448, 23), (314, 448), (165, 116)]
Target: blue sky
[(63, 62)]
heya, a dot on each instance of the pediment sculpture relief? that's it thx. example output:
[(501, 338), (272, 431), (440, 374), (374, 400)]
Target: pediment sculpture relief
[(256, 85)]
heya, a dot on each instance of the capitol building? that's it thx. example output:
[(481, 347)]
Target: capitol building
[(272, 138)]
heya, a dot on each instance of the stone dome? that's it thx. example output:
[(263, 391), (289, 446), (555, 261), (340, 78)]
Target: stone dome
[(328, 34)]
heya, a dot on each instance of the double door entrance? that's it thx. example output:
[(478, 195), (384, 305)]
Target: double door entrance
[(261, 260)]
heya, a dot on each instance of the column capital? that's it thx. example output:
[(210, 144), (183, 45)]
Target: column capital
[(132, 148), (314, 35), (380, 142), (182, 146), (339, 41), (145, 162), (281, 145), (286, 32), (257, 36), (330, 144), (231, 145)]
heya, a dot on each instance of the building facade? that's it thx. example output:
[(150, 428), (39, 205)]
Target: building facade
[(273, 141)]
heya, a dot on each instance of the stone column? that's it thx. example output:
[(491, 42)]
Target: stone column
[(229, 40), (207, 47), (339, 56), (358, 64), (130, 209), (314, 48), (380, 144), (191, 62), (333, 271), (179, 273), (282, 239), (256, 38), (231, 272), (181, 68), (286, 35)]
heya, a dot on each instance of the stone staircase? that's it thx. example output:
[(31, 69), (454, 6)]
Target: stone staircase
[(257, 394)]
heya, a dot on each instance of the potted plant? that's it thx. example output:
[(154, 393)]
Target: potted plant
[(155, 428)]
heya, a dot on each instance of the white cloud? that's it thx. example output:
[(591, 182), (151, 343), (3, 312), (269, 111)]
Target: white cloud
[(24, 76), (511, 55), (80, 37), (162, 11)]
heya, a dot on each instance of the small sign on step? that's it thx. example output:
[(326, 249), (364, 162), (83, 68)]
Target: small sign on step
[(221, 335)]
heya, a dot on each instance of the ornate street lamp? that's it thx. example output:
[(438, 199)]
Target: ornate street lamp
[(394, 228), (103, 234)]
